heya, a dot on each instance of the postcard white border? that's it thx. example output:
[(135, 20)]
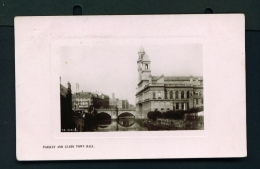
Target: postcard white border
[(224, 87)]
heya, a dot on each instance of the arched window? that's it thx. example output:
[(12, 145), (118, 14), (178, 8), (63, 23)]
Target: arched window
[(176, 94), (146, 66), (171, 95), (182, 94), (153, 95), (188, 94)]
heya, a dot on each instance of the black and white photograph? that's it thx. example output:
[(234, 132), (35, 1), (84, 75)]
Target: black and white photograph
[(109, 87), (171, 86)]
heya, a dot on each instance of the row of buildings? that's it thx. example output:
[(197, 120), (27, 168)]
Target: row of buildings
[(82, 100), (121, 104), (165, 92)]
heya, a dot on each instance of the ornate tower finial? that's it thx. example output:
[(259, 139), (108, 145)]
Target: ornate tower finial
[(141, 53)]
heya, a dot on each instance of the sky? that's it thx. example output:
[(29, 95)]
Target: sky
[(110, 65)]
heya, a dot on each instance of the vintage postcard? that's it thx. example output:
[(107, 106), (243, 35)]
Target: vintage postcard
[(172, 86)]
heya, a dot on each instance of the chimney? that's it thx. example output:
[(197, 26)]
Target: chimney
[(113, 96), (69, 86), (191, 79)]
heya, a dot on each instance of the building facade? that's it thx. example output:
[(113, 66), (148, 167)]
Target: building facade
[(165, 92), (100, 100), (115, 102), (66, 107), (81, 100), (125, 104)]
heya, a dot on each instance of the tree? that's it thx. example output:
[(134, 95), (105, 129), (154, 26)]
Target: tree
[(154, 114)]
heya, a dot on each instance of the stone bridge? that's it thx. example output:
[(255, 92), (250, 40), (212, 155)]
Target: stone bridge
[(113, 114)]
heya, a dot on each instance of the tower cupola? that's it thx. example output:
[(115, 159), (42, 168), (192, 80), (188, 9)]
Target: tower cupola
[(141, 53)]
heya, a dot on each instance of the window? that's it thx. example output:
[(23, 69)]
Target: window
[(165, 94), (195, 101), (182, 106), (182, 94), (153, 95), (188, 94), (171, 95), (146, 66), (177, 105)]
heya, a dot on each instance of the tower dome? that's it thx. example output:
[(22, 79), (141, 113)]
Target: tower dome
[(141, 50), (146, 58)]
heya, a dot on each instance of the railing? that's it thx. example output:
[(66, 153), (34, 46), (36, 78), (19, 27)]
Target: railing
[(172, 85), (119, 109)]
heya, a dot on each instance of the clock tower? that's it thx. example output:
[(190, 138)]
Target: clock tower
[(143, 64)]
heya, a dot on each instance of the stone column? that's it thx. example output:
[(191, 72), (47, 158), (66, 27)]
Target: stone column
[(184, 106), (185, 94), (194, 103), (162, 94), (179, 93), (173, 95), (199, 102)]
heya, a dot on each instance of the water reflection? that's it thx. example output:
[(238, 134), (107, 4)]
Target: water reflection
[(126, 122), (91, 124), (122, 124)]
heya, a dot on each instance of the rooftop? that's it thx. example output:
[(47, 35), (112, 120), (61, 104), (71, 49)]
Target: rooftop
[(177, 78), (141, 50), (63, 90)]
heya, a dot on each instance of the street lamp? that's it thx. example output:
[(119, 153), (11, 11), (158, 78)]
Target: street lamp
[(116, 108)]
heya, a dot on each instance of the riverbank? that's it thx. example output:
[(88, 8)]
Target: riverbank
[(171, 124)]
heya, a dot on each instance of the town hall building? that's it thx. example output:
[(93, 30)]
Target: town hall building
[(165, 92)]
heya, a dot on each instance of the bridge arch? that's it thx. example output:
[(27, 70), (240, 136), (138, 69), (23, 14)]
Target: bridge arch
[(103, 116), (126, 115), (115, 114)]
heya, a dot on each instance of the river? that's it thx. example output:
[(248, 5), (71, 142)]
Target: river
[(122, 124), (132, 124)]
